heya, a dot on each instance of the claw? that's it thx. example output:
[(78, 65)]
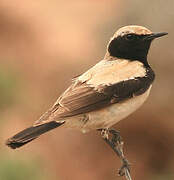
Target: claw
[(116, 135), (104, 133)]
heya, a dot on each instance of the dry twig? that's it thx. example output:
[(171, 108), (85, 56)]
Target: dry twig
[(117, 145)]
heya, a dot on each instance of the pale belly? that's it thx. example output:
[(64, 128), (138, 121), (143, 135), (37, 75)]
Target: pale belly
[(106, 117)]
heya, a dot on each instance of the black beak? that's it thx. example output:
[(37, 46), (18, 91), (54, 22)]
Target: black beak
[(155, 35)]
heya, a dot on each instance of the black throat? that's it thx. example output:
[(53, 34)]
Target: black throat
[(133, 50)]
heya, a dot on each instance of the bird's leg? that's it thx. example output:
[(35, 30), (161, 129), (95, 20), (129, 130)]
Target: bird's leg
[(116, 143)]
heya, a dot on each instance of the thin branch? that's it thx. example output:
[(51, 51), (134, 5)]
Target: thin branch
[(117, 145)]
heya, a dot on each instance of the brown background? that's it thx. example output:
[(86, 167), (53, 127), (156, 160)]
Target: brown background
[(45, 43)]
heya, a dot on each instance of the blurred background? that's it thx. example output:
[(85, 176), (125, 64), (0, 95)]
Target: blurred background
[(45, 43)]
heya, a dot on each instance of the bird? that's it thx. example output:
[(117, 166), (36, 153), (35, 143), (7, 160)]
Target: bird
[(106, 93)]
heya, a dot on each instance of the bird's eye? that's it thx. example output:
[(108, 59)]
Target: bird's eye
[(130, 37)]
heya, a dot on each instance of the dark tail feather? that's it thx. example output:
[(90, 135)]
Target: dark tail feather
[(30, 134)]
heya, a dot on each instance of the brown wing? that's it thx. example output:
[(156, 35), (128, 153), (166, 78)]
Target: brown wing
[(77, 99), (80, 97)]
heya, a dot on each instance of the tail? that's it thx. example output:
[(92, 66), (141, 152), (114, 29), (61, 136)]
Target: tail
[(30, 134)]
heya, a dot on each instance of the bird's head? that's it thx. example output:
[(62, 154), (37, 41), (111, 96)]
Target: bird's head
[(132, 42)]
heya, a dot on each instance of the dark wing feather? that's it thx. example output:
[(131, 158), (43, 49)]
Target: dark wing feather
[(81, 98)]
